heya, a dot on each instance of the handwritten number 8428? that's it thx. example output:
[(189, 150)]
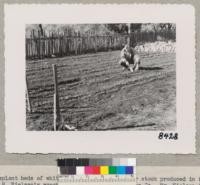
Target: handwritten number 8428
[(170, 136)]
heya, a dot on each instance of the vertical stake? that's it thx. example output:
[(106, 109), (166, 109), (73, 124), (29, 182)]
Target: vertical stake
[(129, 35), (28, 97), (56, 99)]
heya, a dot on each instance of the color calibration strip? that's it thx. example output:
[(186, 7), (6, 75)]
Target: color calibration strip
[(113, 166)]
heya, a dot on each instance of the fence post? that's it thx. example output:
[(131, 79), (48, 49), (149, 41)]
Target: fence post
[(28, 97), (56, 99)]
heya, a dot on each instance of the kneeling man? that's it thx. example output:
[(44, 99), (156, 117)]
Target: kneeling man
[(129, 59)]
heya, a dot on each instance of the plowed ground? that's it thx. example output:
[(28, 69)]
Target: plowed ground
[(97, 94)]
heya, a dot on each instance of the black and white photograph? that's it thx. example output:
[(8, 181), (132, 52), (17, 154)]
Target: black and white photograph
[(101, 77), (91, 78)]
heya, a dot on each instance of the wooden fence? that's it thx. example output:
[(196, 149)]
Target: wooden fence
[(60, 45)]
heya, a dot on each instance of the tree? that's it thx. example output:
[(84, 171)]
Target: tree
[(136, 27), (117, 28), (123, 28), (41, 30)]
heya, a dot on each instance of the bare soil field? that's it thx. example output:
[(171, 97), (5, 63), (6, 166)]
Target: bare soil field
[(97, 94)]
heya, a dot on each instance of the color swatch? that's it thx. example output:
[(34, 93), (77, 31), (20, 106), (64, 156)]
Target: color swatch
[(107, 166)]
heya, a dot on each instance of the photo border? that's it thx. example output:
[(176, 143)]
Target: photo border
[(27, 142)]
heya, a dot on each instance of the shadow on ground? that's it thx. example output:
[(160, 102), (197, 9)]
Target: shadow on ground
[(124, 127), (150, 68)]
